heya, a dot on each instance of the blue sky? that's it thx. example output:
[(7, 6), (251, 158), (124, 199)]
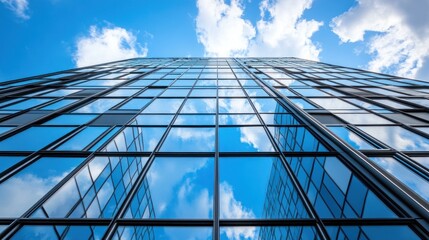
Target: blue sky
[(389, 36)]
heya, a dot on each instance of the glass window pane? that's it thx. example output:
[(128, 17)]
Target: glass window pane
[(135, 104), (98, 189), (351, 138), (404, 174), (26, 187), (332, 103), (66, 232), (71, 119), (122, 93), (244, 139), (364, 118), (267, 105), (153, 119), (59, 104), (372, 232), (279, 119), (296, 139), (189, 140), (195, 120), (230, 92), (199, 105), (135, 139), (164, 106), (44, 136), (8, 161), (150, 232), (268, 233), (234, 105), (302, 103), (238, 119), (187, 192), (99, 105), (260, 189), (397, 137), (82, 139), (334, 191)]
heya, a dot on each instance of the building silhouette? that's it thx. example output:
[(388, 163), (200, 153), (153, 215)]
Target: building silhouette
[(214, 148)]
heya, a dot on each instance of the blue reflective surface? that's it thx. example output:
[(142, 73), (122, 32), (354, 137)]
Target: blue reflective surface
[(335, 191), (398, 137), (244, 139), (135, 139), (26, 187), (351, 138), (71, 119), (60, 232), (99, 106), (404, 174), (189, 140), (45, 136), (97, 191), (163, 233), (260, 189), (187, 192), (268, 233)]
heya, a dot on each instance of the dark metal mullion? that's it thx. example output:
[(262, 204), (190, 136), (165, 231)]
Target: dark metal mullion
[(303, 197)]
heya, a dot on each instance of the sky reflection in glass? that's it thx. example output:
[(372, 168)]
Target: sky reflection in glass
[(187, 192)]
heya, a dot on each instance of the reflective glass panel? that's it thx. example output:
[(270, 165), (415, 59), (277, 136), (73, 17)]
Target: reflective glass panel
[(171, 233), (44, 135), (372, 232), (364, 118), (238, 119), (59, 104), (79, 141), (244, 139), (147, 119), (267, 105), (296, 139), (99, 105), (187, 192), (260, 189), (268, 233), (71, 119), (59, 232), (8, 161), (351, 138), (136, 104), (195, 120), (199, 105), (164, 106), (234, 105), (181, 139), (404, 174), (135, 139), (96, 191), (335, 191), (397, 137), (26, 187)]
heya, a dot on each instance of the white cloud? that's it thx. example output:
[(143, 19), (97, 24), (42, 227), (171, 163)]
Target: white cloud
[(107, 44), (234, 209), (285, 33), (281, 30), (221, 28), (19, 7), (401, 43)]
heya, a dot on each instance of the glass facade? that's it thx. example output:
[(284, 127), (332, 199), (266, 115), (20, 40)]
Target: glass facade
[(214, 148)]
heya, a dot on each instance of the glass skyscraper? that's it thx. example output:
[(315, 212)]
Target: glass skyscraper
[(214, 148)]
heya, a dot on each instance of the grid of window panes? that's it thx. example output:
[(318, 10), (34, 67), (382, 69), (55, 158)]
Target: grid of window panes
[(214, 148)]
